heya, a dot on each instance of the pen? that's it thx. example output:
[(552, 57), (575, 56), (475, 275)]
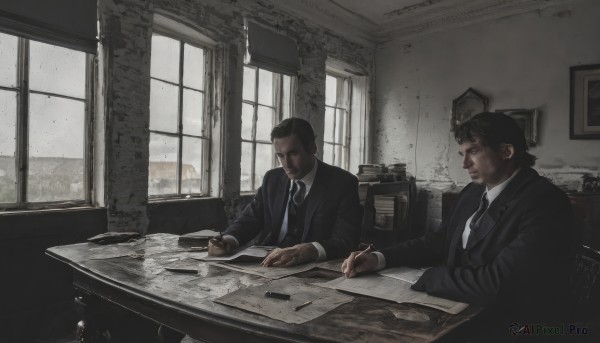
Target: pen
[(369, 249), (283, 296), (182, 270), (296, 308), (198, 248)]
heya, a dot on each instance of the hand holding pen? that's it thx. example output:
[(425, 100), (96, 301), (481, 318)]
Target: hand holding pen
[(359, 262), (221, 245)]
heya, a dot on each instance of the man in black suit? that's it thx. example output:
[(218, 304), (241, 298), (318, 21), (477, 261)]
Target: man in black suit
[(307, 208), (508, 243)]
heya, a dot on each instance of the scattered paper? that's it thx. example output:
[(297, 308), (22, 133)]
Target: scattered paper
[(256, 268), (253, 253), (383, 287), (407, 274), (253, 299)]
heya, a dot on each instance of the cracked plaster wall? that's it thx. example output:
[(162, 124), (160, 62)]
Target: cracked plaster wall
[(125, 30), (518, 62)]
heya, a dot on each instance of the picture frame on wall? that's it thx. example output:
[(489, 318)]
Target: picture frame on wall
[(527, 119), (584, 120), (466, 106)]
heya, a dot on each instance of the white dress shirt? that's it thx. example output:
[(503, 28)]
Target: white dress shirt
[(492, 194), (308, 181)]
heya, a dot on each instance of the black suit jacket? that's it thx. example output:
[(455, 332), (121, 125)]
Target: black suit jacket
[(332, 218), (519, 259)]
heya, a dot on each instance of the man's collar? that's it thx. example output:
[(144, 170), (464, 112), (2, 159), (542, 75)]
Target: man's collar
[(309, 178), (494, 192)]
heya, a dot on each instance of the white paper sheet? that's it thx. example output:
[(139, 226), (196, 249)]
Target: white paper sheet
[(253, 299), (388, 288)]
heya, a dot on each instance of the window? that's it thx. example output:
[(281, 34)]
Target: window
[(179, 126), (337, 120), (44, 124), (266, 101)]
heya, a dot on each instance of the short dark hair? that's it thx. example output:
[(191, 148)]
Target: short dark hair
[(494, 129), (298, 127)]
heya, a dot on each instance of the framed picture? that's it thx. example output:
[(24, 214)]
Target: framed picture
[(527, 121), (467, 105), (585, 102)]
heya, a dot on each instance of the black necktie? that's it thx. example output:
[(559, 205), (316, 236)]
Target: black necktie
[(292, 207), (298, 197), (474, 225)]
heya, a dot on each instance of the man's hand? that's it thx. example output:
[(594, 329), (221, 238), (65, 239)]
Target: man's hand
[(220, 246), (287, 257), (359, 262)]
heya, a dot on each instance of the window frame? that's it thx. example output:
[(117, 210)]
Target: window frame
[(198, 40), (23, 93), (280, 113), (346, 82), (359, 107)]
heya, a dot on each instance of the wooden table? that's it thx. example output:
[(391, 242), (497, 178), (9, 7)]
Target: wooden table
[(184, 302)]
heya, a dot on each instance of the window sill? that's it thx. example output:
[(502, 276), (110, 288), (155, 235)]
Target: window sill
[(180, 199), (32, 211)]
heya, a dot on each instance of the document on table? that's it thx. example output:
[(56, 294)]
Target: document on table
[(142, 247), (253, 299), (384, 287), (407, 274), (256, 268), (253, 253)]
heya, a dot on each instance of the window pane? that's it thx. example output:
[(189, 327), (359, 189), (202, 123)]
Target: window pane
[(344, 94), (249, 84), (164, 100), (328, 153), (193, 67), (56, 149), (329, 123), (286, 97), (193, 109), (8, 117), (264, 123), (50, 63), (246, 167), (247, 115), (8, 122), (264, 162), (265, 87), (330, 90), (191, 169), (164, 62), (338, 156), (340, 126), (8, 60), (162, 168)]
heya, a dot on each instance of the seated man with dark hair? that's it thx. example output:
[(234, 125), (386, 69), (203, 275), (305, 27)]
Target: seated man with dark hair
[(508, 243), (307, 208)]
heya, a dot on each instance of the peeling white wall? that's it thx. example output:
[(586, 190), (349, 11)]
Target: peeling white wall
[(518, 62)]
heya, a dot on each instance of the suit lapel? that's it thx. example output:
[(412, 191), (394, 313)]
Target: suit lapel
[(315, 197), (471, 201), (503, 202)]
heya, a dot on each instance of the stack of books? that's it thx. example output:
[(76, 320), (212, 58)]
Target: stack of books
[(382, 173), (384, 211), (370, 172), (398, 170)]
